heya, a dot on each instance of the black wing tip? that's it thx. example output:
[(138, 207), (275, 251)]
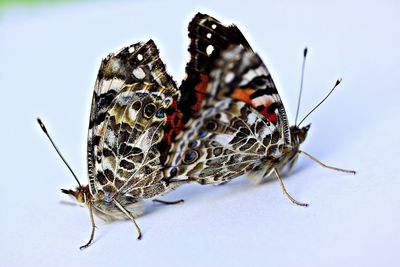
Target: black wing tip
[(151, 43), (200, 15)]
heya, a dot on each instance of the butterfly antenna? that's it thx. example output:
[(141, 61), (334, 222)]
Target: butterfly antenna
[(301, 83), (41, 124), (338, 81)]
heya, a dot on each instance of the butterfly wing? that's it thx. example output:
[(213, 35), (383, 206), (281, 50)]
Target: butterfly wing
[(242, 128), (131, 95), (220, 144), (208, 38), (240, 74)]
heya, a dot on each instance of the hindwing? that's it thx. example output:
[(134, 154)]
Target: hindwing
[(226, 141), (131, 96)]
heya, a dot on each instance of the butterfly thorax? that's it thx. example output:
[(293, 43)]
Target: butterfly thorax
[(298, 135), (290, 152)]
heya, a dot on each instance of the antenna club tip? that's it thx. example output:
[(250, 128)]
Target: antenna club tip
[(41, 124), (338, 81), (305, 51)]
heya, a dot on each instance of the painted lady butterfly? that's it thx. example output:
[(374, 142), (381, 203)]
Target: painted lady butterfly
[(235, 120), (132, 96), (146, 137)]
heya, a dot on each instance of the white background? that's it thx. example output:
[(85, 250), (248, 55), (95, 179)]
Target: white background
[(49, 60)]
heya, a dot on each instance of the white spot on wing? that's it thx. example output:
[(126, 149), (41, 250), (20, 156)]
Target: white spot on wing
[(209, 35), (108, 163), (107, 85), (209, 49), (267, 130), (213, 26), (139, 73), (248, 76), (116, 65), (224, 118), (229, 77), (261, 100), (251, 118), (145, 140), (131, 49), (125, 97), (223, 139), (110, 138), (132, 114), (140, 57)]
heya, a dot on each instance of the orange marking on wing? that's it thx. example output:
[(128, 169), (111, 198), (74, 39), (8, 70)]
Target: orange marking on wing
[(270, 116), (175, 120), (200, 89), (202, 85), (243, 95), (172, 128)]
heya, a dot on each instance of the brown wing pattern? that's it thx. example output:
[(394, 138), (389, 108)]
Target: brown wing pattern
[(240, 74), (231, 135), (208, 38), (131, 95), (221, 144)]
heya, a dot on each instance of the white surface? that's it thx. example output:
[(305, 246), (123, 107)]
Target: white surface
[(49, 61)]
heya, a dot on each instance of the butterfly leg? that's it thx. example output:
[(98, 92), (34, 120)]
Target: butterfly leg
[(168, 202), (285, 192), (292, 163), (324, 165), (129, 215), (93, 227)]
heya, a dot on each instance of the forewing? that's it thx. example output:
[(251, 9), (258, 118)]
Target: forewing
[(132, 93), (240, 74), (208, 38)]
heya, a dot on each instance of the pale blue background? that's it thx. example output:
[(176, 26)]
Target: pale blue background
[(49, 60)]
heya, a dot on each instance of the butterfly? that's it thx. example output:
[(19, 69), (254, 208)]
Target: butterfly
[(234, 120), (130, 120)]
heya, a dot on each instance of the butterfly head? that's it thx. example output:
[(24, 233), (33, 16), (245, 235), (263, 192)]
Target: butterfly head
[(81, 194), (299, 134)]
